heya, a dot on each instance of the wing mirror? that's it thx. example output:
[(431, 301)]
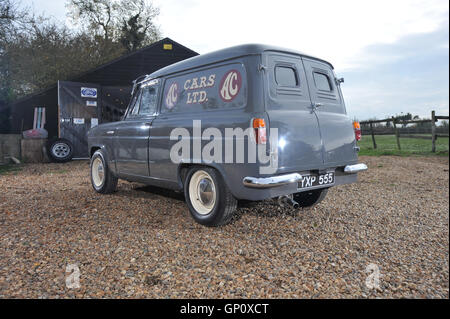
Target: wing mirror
[(339, 80)]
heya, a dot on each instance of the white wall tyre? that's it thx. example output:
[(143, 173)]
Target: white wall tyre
[(102, 179), (60, 150), (98, 172), (202, 192), (208, 198)]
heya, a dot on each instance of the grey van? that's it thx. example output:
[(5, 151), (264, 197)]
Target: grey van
[(250, 122)]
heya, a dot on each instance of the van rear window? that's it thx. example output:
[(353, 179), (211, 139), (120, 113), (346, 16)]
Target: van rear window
[(286, 76), (221, 87), (322, 81)]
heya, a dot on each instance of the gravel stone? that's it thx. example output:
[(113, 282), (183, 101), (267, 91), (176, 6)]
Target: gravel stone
[(141, 242)]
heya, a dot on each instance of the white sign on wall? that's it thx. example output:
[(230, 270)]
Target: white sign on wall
[(78, 120)]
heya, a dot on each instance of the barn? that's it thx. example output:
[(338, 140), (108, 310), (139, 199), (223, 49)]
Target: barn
[(69, 108)]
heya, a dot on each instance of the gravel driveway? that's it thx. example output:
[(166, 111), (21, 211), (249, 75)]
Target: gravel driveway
[(393, 225)]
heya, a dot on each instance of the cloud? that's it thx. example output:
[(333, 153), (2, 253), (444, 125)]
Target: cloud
[(410, 75), (334, 30)]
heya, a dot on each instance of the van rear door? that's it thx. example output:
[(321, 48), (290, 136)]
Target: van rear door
[(288, 106), (336, 128)]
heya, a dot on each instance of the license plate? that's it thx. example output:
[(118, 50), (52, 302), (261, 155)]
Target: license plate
[(314, 180)]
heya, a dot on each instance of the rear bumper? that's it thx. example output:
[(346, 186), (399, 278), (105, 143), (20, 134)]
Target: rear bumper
[(280, 180), (273, 181), (351, 169), (259, 188)]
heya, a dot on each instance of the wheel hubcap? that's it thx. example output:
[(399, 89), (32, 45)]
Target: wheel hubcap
[(98, 173), (205, 191), (60, 150), (202, 192)]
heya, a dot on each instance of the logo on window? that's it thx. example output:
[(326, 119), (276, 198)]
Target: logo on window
[(172, 95), (230, 85)]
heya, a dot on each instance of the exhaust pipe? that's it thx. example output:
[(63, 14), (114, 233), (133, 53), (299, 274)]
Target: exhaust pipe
[(288, 200)]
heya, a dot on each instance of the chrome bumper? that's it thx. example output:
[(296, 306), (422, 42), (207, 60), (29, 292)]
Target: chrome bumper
[(351, 169), (273, 181)]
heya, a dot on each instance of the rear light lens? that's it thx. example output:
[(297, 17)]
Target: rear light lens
[(259, 126), (357, 129)]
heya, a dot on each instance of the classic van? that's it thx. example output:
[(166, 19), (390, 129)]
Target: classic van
[(249, 122)]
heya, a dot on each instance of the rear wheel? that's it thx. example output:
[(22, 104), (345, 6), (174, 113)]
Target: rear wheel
[(102, 179), (209, 200), (310, 198), (60, 150)]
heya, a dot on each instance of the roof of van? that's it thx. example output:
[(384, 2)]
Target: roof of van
[(225, 54)]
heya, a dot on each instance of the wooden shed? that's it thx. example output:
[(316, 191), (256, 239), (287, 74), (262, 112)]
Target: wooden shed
[(70, 107)]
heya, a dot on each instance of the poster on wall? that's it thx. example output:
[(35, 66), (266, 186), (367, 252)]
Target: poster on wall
[(94, 122)]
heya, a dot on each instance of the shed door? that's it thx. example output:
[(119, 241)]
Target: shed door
[(78, 105)]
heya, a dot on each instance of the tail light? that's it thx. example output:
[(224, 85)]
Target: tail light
[(357, 129), (259, 126)]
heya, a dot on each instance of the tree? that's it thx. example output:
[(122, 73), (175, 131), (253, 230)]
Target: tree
[(11, 20), (36, 51), (129, 22)]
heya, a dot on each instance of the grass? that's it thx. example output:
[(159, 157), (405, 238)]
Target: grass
[(4, 169), (387, 145)]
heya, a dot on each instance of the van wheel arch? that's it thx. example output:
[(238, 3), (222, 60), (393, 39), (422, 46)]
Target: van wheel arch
[(93, 150), (184, 168)]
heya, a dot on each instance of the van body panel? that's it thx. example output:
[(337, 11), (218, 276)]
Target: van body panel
[(234, 117)]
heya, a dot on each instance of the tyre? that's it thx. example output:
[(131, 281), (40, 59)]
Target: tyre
[(60, 150), (209, 200), (102, 179), (310, 198)]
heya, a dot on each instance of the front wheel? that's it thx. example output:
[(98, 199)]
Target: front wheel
[(310, 198), (209, 200), (102, 179)]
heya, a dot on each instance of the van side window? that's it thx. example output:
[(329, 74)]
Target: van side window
[(322, 81), (286, 76), (148, 100)]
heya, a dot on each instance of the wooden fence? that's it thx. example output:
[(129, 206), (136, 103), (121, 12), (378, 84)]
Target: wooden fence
[(395, 121)]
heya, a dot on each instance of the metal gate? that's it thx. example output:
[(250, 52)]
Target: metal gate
[(79, 108)]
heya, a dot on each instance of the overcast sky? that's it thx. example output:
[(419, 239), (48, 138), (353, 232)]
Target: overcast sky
[(394, 54)]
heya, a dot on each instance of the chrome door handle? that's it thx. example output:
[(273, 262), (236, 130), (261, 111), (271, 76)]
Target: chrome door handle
[(317, 104), (109, 132)]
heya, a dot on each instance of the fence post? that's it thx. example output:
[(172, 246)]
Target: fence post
[(373, 136), (433, 131), (397, 135)]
